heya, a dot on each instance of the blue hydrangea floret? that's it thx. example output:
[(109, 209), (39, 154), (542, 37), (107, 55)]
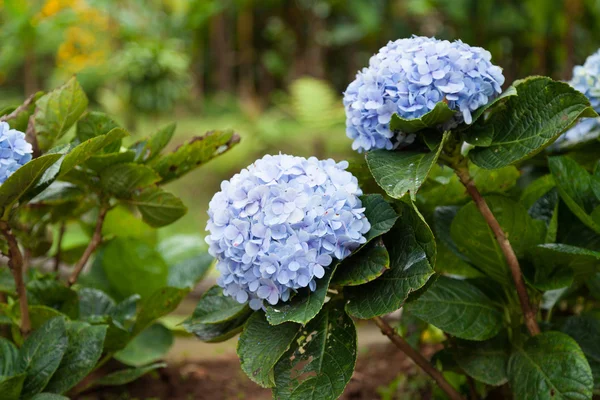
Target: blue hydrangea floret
[(409, 77), (15, 151), (586, 79), (277, 226)]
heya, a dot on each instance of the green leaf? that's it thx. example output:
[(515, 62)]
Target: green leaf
[(123, 179), (9, 355), (100, 162), (219, 332), (58, 193), (214, 307), (550, 366), (261, 345), (160, 303), (525, 124), (459, 308), (41, 355), (583, 262), (22, 180), (149, 346), (57, 111), (401, 172), (126, 375), (150, 148), (546, 209), (379, 213), (83, 352), (412, 253), (363, 267), (440, 114), (158, 208), (187, 273), (485, 361), (194, 153), (95, 124), (11, 386), (145, 271), (121, 221), (574, 185), (475, 239), (477, 137), (89, 148), (320, 363), (54, 294), (304, 305), (94, 303), (586, 330), (536, 190), (19, 117)]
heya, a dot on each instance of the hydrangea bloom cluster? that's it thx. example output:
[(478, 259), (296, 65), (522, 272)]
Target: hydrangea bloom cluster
[(409, 77), (277, 225), (14, 151), (586, 79)]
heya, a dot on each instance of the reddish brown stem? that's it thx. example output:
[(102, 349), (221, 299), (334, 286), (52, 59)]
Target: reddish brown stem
[(94, 243), (509, 254), (15, 263), (418, 358)]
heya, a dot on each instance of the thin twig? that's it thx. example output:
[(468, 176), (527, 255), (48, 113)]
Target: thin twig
[(15, 263), (94, 243), (57, 256), (418, 358), (462, 172)]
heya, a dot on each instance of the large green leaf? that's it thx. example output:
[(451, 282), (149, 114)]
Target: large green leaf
[(379, 213), (550, 366), (22, 180), (536, 190), (9, 356), (123, 179), (214, 307), (158, 304), (485, 361), (366, 265), (94, 124), (84, 351), (125, 376), (158, 207), (219, 332), (89, 148), (187, 257), (187, 273), (575, 186), (94, 303), (475, 239), (401, 172), (100, 162), (149, 346), (585, 263), (440, 114), (11, 386), (412, 253), (194, 153), (150, 148), (58, 193), (19, 117), (303, 306), (41, 355), (525, 124), (261, 345), (321, 361), (459, 308), (134, 267), (54, 294), (586, 331), (57, 111)]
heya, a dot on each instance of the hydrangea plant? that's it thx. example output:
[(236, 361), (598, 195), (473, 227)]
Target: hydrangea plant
[(98, 196), (474, 230)]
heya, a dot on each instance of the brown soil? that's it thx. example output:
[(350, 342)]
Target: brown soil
[(223, 379)]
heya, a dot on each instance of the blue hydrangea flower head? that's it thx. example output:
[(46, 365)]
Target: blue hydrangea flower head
[(586, 79), (276, 226), (409, 77), (15, 151)]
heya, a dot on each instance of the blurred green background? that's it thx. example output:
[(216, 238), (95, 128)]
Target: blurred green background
[(273, 70)]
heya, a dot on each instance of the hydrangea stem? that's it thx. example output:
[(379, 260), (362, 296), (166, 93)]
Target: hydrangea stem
[(15, 263), (418, 358), (94, 243), (461, 168)]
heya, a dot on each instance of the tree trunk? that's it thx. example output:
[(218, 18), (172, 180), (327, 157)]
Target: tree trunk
[(221, 52)]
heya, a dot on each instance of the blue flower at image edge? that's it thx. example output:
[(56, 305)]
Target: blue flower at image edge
[(586, 79), (15, 151), (409, 77), (277, 226)]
